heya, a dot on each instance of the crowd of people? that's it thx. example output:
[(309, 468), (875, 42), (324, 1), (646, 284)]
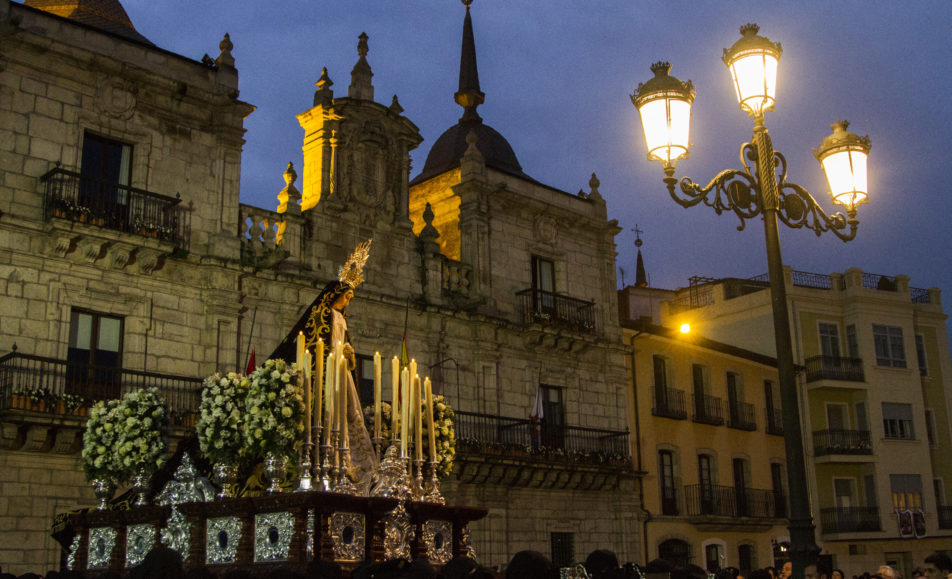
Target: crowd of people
[(165, 563)]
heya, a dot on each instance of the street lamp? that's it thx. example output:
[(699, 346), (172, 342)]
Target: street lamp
[(761, 188)]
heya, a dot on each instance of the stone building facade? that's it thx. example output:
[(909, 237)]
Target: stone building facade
[(124, 249)]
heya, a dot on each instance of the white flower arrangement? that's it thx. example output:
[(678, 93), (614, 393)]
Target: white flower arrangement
[(124, 436), (443, 416), (141, 432), (274, 410), (385, 417), (99, 440), (221, 412)]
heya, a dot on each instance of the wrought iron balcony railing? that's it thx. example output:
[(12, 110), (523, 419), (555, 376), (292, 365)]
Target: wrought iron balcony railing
[(725, 501), (708, 409), (826, 442), (774, 424), (945, 516), (73, 197), (558, 310), (670, 403), (53, 379), (834, 368), (490, 434), (740, 415), (849, 519)]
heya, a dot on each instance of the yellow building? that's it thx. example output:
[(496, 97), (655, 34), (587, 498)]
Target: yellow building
[(708, 442), (874, 394)]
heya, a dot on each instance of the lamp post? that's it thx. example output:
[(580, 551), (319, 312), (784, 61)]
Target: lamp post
[(761, 189)]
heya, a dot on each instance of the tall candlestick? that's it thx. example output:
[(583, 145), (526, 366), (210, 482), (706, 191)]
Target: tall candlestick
[(395, 398), (299, 342), (377, 400), (307, 393), (329, 399), (417, 419), (429, 418), (319, 358), (404, 405)]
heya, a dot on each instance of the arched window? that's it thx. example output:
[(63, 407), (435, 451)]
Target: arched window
[(675, 551)]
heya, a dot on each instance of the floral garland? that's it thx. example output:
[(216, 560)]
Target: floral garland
[(141, 439), (219, 428), (274, 410), (385, 417), (99, 460)]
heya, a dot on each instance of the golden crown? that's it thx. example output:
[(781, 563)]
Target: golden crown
[(352, 272)]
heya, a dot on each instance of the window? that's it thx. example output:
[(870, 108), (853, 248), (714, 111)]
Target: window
[(675, 551), (741, 480), (563, 549), (94, 357), (829, 340), (779, 496), (661, 382), (921, 355), (669, 499), (705, 479), (745, 559), (774, 420), (713, 555), (897, 421), (106, 168), (844, 493), (938, 487), (906, 492), (553, 421), (869, 484), (889, 346), (543, 285), (365, 380)]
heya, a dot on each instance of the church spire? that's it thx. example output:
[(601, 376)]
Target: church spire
[(468, 96), (641, 277), (360, 77)]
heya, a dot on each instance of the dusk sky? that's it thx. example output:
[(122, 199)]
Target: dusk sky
[(557, 78)]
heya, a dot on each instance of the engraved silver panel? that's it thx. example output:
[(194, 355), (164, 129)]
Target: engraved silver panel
[(221, 540), (348, 536), (177, 534), (398, 534), (273, 532), (139, 541), (438, 538), (102, 541)]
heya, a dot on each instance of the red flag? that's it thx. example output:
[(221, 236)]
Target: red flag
[(251, 363)]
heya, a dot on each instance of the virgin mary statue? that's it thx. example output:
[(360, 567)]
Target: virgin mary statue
[(326, 319)]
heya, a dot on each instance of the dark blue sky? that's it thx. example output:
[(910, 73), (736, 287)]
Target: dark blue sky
[(557, 78)]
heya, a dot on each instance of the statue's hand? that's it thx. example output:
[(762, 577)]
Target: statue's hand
[(351, 358)]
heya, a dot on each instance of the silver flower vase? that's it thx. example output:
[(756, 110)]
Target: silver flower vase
[(226, 475), (141, 483), (103, 489), (275, 469)]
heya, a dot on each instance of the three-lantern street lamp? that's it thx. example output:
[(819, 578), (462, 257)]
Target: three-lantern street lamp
[(761, 188)]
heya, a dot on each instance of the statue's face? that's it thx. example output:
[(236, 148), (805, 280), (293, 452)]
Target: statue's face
[(342, 301)]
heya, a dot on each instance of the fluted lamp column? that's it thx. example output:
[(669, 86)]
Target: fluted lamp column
[(664, 103)]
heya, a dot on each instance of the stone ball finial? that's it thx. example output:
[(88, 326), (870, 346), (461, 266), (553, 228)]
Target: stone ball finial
[(290, 175)]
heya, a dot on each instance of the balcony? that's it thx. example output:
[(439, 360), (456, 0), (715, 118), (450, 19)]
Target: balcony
[(669, 403), (945, 517), (774, 424), (826, 442), (834, 368), (740, 415), (733, 502), (72, 197), (557, 310), (849, 520), (519, 452), (708, 410), (34, 387)]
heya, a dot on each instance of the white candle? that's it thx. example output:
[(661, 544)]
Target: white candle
[(344, 395), (417, 419), (404, 405), (429, 418), (377, 400), (329, 399), (319, 358), (307, 393), (395, 399)]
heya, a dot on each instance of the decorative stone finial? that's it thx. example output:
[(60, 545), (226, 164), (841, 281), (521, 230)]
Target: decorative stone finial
[(429, 233), (225, 58), (361, 86), (289, 197), (594, 183), (323, 95), (362, 44), (395, 107)]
